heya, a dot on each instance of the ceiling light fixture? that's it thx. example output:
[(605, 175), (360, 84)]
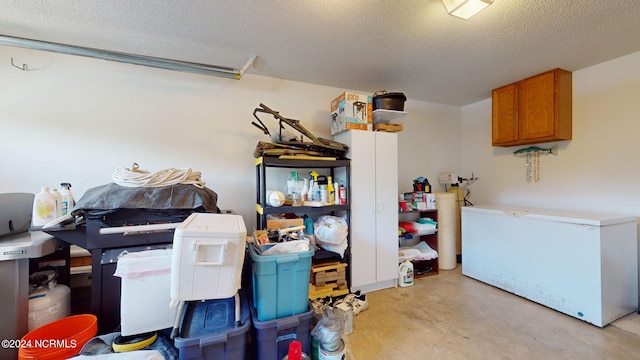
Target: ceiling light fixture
[(150, 61), (465, 8)]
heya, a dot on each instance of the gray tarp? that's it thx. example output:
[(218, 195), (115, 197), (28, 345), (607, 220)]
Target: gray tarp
[(179, 197)]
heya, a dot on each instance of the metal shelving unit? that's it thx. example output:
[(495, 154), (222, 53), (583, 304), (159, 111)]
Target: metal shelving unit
[(263, 209)]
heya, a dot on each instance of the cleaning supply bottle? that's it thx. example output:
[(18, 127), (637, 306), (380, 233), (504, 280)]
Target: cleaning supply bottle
[(293, 193), (67, 199), (324, 194), (44, 207), (330, 191), (295, 352), (405, 272), (336, 193), (315, 191), (342, 194), (305, 190), (58, 197)]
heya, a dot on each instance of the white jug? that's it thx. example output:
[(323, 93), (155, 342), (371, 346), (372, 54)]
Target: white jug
[(405, 274)]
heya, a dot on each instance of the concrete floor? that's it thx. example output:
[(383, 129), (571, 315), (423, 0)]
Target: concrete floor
[(450, 316)]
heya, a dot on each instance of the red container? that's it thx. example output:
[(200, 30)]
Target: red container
[(60, 339)]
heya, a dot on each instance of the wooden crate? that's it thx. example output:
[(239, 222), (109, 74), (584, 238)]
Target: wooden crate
[(328, 279)]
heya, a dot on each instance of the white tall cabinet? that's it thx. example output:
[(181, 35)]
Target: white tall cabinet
[(374, 208)]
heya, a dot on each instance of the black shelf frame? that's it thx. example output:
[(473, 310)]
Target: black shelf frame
[(262, 209)]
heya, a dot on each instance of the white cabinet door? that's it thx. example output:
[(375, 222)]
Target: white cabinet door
[(386, 206), (374, 212)]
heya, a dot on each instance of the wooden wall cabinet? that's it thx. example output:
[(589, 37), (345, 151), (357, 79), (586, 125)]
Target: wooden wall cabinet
[(533, 110)]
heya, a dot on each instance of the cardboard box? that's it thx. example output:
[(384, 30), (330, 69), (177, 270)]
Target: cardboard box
[(277, 222), (421, 200), (351, 111)]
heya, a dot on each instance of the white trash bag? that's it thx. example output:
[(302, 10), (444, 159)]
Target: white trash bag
[(331, 233)]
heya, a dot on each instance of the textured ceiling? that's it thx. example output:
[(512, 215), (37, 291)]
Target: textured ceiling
[(413, 47)]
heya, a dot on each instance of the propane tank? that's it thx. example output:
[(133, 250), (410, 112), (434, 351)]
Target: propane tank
[(48, 300)]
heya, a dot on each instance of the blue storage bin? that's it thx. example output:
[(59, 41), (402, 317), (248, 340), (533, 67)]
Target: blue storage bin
[(271, 338), (280, 284), (208, 330)]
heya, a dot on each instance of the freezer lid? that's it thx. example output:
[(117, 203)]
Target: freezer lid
[(555, 215)]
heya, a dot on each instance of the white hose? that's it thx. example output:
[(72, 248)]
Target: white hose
[(140, 178)]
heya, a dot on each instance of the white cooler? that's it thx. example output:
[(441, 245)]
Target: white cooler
[(208, 254)]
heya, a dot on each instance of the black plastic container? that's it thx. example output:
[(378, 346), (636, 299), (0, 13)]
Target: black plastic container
[(389, 101)]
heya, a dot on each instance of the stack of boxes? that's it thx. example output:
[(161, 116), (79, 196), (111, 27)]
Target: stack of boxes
[(382, 112), (202, 274), (421, 200), (280, 310), (206, 268)]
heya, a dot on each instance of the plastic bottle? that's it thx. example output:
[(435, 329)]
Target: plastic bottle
[(324, 194), (295, 352), (315, 191), (310, 193), (342, 194), (330, 191), (305, 190), (336, 193), (308, 227), (293, 192), (44, 207), (58, 197), (405, 272), (67, 199)]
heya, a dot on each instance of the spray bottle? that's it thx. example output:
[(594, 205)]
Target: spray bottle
[(315, 191), (67, 199)]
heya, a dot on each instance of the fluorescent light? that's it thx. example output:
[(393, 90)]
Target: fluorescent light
[(150, 61), (465, 8)]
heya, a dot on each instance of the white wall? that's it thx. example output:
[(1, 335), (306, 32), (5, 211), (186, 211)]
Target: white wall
[(596, 170), (74, 119)]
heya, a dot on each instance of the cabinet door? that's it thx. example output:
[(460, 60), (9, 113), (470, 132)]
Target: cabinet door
[(386, 181), (363, 206), (505, 114), (537, 113)]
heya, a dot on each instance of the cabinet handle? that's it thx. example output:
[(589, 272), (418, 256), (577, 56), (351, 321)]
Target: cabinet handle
[(373, 207), (379, 206)]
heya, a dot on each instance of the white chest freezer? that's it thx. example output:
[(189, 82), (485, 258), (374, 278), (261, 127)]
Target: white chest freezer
[(582, 264), (208, 255)]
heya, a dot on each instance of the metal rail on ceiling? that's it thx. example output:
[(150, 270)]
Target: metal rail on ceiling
[(167, 64)]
